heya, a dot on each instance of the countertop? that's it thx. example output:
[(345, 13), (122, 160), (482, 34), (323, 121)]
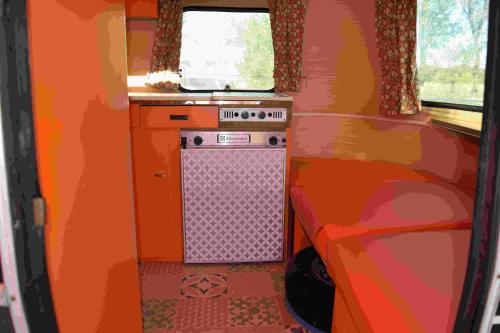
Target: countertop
[(215, 96)]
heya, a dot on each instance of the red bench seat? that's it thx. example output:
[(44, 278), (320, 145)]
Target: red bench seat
[(336, 198), (407, 282)]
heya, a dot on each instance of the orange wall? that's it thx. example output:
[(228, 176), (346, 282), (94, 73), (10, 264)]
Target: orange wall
[(141, 8), (336, 109), (140, 38), (450, 156), (340, 67), (341, 77), (79, 72), (149, 8), (340, 70)]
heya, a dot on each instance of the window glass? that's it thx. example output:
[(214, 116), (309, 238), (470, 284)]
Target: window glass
[(224, 50), (451, 45)]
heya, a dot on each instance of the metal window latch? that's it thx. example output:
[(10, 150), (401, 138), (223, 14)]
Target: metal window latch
[(39, 211), (4, 297)]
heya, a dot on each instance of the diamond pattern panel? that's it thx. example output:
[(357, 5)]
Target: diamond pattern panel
[(233, 204)]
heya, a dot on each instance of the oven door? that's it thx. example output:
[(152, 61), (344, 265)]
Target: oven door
[(233, 204)]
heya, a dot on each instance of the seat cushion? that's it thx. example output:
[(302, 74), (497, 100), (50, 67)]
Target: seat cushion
[(336, 198), (407, 282)]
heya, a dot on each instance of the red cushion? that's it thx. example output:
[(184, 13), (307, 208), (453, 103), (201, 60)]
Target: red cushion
[(407, 282), (336, 198)]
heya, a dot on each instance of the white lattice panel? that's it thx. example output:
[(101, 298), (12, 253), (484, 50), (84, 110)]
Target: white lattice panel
[(233, 204)]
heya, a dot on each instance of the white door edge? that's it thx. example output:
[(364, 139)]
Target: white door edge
[(7, 250)]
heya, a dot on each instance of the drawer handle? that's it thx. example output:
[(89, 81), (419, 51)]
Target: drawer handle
[(160, 174), (179, 117)]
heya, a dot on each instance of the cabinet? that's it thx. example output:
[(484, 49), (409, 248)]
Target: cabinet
[(156, 159)]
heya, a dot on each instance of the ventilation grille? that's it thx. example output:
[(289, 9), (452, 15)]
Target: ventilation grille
[(233, 203), (228, 114), (278, 114)]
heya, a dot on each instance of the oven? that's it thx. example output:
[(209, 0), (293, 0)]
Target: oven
[(233, 192)]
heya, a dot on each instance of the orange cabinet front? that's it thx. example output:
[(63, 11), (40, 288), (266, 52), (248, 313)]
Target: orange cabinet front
[(156, 159)]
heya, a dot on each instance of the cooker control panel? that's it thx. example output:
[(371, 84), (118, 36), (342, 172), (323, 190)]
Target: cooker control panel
[(253, 114), (224, 139)]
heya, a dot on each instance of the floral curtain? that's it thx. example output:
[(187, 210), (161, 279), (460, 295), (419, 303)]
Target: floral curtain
[(167, 46), (396, 31), (287, 25)]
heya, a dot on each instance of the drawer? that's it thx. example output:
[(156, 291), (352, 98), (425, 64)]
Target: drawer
[(179, 116)]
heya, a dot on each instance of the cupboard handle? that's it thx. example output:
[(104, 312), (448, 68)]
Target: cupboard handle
[(160, 174), (179, 117)]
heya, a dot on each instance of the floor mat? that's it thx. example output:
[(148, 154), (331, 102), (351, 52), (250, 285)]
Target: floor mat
[(215, 298)]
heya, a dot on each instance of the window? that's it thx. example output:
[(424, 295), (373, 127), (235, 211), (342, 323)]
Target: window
[(226, 49), (451, 51)]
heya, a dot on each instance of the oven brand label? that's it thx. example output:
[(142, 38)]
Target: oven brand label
[(233, 138)]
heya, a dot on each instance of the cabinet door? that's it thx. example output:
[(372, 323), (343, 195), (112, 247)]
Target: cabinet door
[(156, 160)]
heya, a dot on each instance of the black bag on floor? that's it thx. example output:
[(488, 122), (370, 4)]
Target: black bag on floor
[(309, 290)]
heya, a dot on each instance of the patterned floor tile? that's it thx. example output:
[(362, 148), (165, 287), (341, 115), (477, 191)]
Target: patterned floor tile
[(160, 268), (295, 329), (285, 315), (258, 329), (202, 313), (165, 286), (215, 298), (203, 330), (158, 314), (276, 267), (254, 311), (204, 286), (160, 330), (241, 330), (205, 268), (254, 284), (278, 282), (248, 267)]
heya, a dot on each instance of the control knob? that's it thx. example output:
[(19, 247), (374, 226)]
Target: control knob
[(244, 115), (273, 141), (262, 115), (198, 140)]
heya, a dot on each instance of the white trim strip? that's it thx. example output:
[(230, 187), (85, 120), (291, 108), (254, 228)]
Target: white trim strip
[(4, 300), (359, 116), (7, 250), (491, 307), (496, 320)]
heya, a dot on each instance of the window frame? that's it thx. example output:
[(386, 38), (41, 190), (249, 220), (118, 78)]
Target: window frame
[(446, 105), (224, 10)]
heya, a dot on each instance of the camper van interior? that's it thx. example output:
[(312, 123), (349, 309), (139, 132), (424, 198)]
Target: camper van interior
[(249, 166)]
